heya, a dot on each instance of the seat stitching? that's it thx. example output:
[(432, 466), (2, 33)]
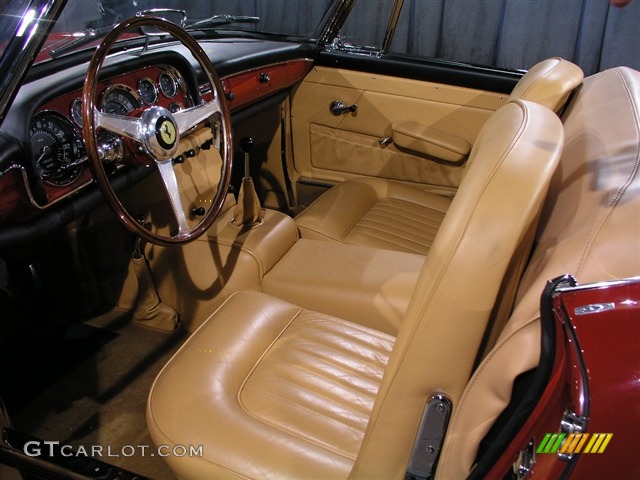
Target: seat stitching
[(371, 223), (408, 211), (331, 346), (302, 437), (319, 373), (351, 371), (406, 216), (392, 240), (307, 407)]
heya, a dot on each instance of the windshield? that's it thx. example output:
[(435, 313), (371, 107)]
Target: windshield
[(83, 22)]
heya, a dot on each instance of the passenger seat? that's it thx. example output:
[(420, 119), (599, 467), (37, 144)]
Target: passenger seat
[(388, 214), (589, 228)]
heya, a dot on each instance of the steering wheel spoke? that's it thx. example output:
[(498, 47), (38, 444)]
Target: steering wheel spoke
[(190, 117), (129, 127), (168, 175)]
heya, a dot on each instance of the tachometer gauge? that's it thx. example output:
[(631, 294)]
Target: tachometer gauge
[(56, 148), (120, 100), (148, 91), (168, 84)]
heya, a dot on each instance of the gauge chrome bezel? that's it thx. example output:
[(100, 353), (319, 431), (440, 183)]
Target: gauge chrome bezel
[(174, 81), (76, 116), (66, 126), (120, 86), (154, 89)]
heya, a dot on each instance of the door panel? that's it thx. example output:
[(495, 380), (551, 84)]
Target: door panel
[(331, 149)]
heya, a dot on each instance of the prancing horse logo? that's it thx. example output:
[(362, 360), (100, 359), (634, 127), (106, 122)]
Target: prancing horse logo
[(168, 132)]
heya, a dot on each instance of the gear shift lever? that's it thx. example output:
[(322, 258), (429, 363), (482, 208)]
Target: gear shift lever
[(246, 145), (247, 211)]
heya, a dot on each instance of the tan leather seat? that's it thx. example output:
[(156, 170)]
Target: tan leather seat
[(271, 390), (388, 214), (590, 228)]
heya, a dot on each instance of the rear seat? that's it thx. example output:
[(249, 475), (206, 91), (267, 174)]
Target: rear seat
[(387, 214), (590, 228)]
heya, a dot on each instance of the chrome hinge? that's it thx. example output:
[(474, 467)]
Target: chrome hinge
[(571, 423), (430, 437), (338, 45), (523, 466)]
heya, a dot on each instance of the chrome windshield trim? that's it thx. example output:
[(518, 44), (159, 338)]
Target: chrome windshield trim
[(335, 21), (23, 47), (391, 26)]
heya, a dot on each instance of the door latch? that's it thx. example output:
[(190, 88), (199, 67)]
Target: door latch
[(339, 108)]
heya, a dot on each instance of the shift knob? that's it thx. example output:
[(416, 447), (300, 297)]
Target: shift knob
[(246, 144)]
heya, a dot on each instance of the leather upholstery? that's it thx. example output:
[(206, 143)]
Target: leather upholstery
[(590, 228), (376, 213), (273, 390), (549, 83), (369, 286), (267, 387), (388, 214)]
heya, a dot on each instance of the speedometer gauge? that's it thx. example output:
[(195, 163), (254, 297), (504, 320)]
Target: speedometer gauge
[(120, 100), (56, 148)]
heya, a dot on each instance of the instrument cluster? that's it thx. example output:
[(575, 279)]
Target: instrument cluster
[(55, 131)]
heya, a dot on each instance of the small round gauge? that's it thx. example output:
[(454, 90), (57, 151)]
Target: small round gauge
[(56, 148), (76, 111), (120, 100), (175, 107), (168, 84), (148, 91)]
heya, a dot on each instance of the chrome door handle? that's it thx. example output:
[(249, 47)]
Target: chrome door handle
[(339, 108)]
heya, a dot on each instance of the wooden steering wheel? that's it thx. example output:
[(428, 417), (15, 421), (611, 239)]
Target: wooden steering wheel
[(158, 131)]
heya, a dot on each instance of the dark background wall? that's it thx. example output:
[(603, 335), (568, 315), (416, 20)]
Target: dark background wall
[(505, 33)]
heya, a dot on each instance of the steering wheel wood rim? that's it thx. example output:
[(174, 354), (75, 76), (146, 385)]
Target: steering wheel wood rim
[(152, 130)]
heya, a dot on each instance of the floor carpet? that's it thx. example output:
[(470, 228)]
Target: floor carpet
[(86, 384)]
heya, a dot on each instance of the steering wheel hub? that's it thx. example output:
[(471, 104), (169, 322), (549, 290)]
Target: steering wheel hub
[(159, 133)]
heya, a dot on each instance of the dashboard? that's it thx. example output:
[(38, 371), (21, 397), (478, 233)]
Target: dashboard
[(44, 174), (55, 137)]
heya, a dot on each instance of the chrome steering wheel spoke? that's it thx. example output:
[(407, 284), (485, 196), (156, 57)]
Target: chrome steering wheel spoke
[(190, 117), (129, 127), (168, 175)]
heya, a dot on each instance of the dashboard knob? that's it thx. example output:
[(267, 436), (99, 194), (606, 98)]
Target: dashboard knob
[(264, 78), (246, 144), (198, 212)]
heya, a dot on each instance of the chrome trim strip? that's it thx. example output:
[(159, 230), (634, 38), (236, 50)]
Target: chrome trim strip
[(333, 25), (22, 49), (603, 284), (391, 26)]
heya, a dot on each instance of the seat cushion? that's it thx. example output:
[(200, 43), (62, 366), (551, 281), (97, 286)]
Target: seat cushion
[(262, 371), (376, 213)]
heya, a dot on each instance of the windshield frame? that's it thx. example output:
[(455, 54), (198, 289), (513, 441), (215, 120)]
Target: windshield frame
[(23, 46)]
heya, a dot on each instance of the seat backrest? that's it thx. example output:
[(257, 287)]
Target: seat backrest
[(514, 158), (549, 83), (589, 228)]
